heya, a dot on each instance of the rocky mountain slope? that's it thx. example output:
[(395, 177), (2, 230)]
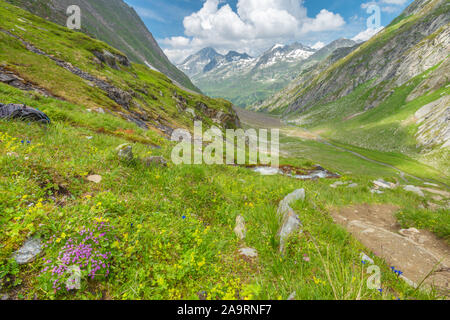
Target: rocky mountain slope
[(39, 56), (375, 91), (245, 80), (115, 23)]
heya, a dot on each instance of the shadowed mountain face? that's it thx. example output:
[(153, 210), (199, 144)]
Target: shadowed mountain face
[(116, 23)]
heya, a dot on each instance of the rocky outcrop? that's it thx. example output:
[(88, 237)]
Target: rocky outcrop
[(434, 121), (16, 81), (228, 120), (111, 59)]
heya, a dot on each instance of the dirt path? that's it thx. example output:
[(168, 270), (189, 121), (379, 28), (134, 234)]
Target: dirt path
[(415, 253)]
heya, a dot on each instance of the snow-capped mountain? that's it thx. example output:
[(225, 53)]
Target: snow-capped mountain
[(278, 53), (245, 80)]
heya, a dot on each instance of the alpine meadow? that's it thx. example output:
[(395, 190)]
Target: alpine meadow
[(224, 150)]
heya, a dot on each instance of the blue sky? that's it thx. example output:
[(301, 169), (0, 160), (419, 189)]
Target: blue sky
[(183, 27)]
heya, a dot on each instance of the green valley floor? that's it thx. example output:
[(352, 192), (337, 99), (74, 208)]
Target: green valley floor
[(155, 232)]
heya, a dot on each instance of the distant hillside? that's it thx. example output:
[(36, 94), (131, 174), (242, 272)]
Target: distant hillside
[(245, 80), (115, 23), (390, 93)]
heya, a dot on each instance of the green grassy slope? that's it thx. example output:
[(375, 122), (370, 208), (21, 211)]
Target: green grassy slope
[(173, 226), (115, 23), (172, 235), (152, 93)]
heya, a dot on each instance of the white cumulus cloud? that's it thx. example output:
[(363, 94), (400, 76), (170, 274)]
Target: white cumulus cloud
[(254, 26)]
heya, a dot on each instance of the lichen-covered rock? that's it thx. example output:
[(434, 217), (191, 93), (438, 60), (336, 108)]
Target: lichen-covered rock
[(125, 152), (415, 190), (290, 220), (29, 251), (240, 229), (434, 121), (248, 252), (112, 60)]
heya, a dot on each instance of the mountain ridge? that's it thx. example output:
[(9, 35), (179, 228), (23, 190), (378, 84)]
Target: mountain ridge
[(103, 19), (246, 80)]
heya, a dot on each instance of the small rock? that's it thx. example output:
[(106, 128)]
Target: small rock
[(74, 281), (240, 230), (374, 191), (89, 137), (291, 221), (292, 296), (125, 152), (415, 190), (383, 184), (248, 252), (100, 110), (291, 224), (337, 184), (29, 251), (284, 206), (95, 178), (151, 161), (4, 297), (437, 198), (353, 185)]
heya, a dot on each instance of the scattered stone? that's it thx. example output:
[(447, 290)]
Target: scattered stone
[(248, 252), (353, 185), (384, 184), (29, 251), (437, 198), (100, 110), (89, 137), (291, 221), (23, 113), (415, 190), (74, 281), (155, 161), (284, 206), (375, 191), (292, 296), (95, 178), (240, 229), (337, 184), (125, 152)]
